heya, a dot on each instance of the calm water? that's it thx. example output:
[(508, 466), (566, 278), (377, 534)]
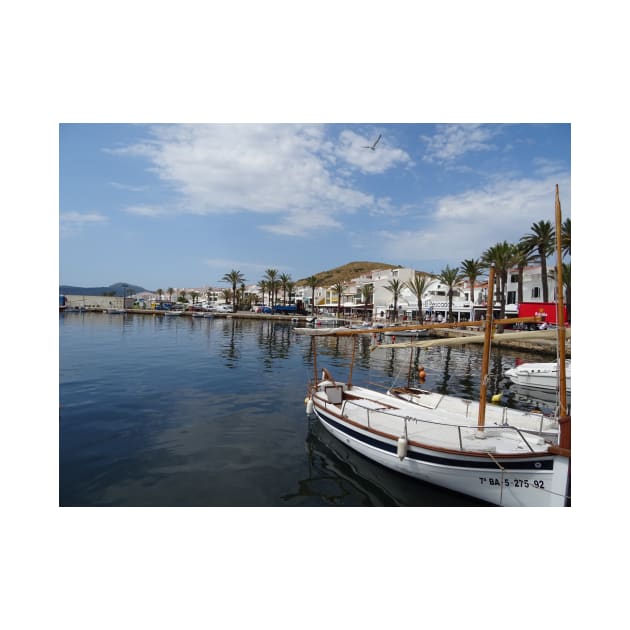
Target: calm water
[(159, 411)]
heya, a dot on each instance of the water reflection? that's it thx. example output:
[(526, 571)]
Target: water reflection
[(340, 476)]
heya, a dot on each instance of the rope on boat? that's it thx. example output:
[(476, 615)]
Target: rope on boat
[(492, 457)]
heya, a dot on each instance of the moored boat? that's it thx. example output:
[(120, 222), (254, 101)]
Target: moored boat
[(539, 375), (499, 455), (508, 461)]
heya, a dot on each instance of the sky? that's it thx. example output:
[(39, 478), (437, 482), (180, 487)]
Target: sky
[(180, 205)]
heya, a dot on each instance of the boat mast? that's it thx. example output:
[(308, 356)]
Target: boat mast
[(483, 389), (560, 306)]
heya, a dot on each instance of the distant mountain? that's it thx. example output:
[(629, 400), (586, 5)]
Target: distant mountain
[(347, 272), (116, 289)]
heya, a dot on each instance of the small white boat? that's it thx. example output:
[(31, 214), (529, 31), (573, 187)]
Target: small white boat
[(539, 375), (172, 313)]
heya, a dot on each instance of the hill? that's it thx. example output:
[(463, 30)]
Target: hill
[(346, 272), (115, 289)]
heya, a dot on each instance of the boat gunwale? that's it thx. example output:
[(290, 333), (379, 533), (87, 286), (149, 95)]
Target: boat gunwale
[(325, 407)]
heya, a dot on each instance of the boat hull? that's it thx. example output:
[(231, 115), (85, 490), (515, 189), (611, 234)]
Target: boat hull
[(538, 376), (538, 480)]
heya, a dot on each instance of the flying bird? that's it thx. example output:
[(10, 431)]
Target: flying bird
[(375, 143)]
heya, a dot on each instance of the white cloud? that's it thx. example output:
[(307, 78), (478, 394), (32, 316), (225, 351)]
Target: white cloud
[(471, 222), (452, 141), (146, 210), (352, 150), (264, 169), (79, 218), (71, 223)]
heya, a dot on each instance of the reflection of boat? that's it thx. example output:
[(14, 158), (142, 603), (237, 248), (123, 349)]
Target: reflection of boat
[(536, 398), (539, 375), (499, 455), (342, 476)]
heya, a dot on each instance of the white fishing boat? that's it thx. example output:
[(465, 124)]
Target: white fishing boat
[(539, 375), (172, 313), (503, 456)]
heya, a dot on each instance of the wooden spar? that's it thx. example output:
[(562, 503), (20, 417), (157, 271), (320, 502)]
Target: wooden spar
[(564, 441), (483, 389), (460, 341)]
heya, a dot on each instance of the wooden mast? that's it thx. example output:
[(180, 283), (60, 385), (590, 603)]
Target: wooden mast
[(483, 389), (565, 421)]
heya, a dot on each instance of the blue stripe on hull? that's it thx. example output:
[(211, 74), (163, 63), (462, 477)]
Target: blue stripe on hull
[(537, 465)]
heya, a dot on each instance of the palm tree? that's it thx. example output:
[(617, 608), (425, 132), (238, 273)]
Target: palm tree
[(339, 289), (566, 237), (235, 277), (522, 257), (418, 286), (541, 240), (284, 280), (160, 292), (450, 277), (263, 285), (367, 293), (502, 255), (312, 282), (170, 292), (395, 287), (566, 281), (270, 276), (290, 289), (472, 268)]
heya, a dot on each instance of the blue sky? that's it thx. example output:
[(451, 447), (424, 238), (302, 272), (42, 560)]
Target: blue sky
[(180, 205)]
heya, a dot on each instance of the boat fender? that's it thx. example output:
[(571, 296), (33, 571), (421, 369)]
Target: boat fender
[(309, 406), (421, 373), (496, 398), (402, 447)]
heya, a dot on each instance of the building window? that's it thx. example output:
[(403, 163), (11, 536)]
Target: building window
[(535, 292), (513, 278), (511, 297)]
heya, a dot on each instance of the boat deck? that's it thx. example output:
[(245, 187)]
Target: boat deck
[(437, 420)]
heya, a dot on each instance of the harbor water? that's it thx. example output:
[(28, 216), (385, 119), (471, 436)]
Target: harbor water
[(180, 411)]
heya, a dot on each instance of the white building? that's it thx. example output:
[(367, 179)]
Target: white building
[(435, 300)]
